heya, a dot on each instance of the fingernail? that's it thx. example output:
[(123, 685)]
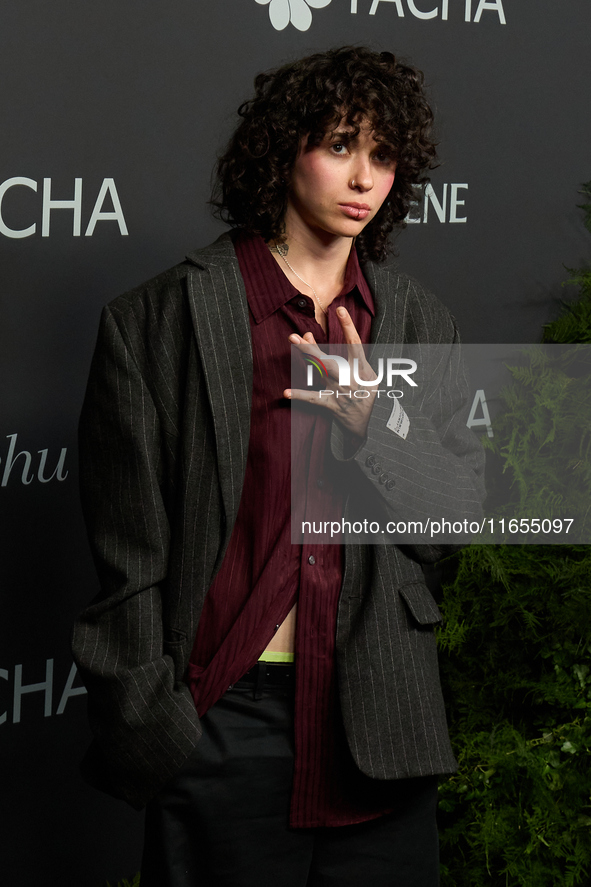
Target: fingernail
[(287, 393), (341, 312), (295, 339)]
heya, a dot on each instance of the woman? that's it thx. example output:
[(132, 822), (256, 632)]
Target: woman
[(309, 671)]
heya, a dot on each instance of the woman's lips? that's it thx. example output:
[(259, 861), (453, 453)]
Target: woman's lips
[(355, 210)]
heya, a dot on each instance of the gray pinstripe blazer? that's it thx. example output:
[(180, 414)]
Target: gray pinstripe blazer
[(163, 444)]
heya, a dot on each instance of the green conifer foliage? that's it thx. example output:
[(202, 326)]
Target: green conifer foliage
[(542, 445), (515, 653), (126, 883), (574, 323)]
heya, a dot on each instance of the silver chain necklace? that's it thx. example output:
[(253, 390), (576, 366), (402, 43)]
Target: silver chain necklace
[(281, 250)]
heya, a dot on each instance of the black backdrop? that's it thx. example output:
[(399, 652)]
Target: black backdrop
[(134, 99)]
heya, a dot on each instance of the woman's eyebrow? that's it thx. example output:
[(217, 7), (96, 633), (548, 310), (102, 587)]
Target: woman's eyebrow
[(342, 135)]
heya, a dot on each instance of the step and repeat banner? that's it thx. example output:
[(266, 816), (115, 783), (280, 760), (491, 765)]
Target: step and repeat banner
[(112, 117)]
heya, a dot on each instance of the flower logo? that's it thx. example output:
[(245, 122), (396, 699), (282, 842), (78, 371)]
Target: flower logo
[(282, 12)]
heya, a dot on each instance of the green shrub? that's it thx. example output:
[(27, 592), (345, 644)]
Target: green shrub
[(515, 664), (516, 657), (574, 322), (126, 883)]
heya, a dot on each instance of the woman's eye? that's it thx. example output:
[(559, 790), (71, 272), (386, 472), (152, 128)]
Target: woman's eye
[(339, 148)]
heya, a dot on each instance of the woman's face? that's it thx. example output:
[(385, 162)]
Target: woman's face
[(338, 186)]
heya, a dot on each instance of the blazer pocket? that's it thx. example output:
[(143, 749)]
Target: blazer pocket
[(420, 603), (173, 637)]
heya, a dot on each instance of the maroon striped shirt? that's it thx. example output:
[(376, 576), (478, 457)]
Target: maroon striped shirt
[(263, 574)]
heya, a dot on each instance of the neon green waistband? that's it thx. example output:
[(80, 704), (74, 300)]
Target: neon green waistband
[(269, 656)]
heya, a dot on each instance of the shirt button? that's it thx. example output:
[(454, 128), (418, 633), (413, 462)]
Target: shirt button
[(319, 483), (311, 560), (375, 469), (390, 484), (302, 303), (383, 478), (371, 460)]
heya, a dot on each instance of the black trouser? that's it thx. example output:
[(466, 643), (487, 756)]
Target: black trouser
[(222, 821)]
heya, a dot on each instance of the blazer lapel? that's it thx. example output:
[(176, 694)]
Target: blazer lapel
[(390, 318), (394, 322), (219, 312)]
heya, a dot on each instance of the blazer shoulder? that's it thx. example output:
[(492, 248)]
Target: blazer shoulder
[(422, 301), (413, 304), (169, 286)]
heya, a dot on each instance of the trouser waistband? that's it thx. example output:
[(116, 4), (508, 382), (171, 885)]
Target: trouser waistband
[(268, 676)]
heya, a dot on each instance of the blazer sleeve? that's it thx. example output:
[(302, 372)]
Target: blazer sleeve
[(436, 472), (144, 722)]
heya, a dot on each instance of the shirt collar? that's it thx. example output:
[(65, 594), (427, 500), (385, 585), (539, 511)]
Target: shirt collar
[(267, 287)]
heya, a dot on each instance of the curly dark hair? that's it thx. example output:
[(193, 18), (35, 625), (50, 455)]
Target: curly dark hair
[(311, 97)]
